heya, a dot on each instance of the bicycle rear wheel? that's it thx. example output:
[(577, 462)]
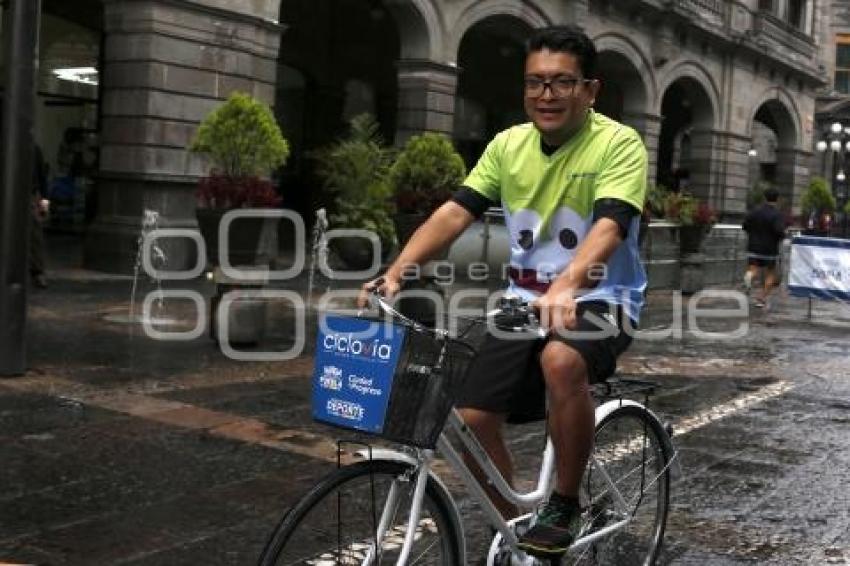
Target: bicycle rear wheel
[(337, 521), (633, 450)]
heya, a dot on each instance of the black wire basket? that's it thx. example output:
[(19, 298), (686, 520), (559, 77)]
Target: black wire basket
[(427, 378), (424, 388)]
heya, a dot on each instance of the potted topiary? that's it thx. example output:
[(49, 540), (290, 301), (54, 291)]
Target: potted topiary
[(423, 176), (244, 144), (817, 206), (354, 173), (694, 217)]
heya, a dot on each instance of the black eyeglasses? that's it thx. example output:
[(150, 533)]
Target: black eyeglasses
[(560, 86)]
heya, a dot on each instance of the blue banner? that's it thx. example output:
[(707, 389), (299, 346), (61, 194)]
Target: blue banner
[(355, 363)]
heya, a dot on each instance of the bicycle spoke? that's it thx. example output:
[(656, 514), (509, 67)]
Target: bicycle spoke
[(322, 532), (624, 485), (424, 552)]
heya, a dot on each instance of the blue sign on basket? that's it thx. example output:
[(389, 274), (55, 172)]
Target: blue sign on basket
[(355, 363)]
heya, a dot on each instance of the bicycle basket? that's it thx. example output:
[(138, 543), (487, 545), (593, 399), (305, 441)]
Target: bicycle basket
[(383, 378)]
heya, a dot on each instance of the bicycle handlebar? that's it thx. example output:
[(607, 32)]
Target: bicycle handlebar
[(512, 315), (516, 315)]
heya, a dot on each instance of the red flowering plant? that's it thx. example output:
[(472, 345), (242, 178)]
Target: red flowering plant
[(687, 210), (222, 192)]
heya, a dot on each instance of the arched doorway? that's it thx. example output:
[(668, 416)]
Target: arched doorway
[(774, 140), (622, 95), (685, 143), (322, 84), (489, 95)]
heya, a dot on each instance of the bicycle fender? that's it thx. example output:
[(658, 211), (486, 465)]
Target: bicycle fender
[(399, 456), (605, 409)]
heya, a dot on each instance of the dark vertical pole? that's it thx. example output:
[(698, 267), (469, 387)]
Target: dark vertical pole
[(20, 37), (834, 184), (842, 196)]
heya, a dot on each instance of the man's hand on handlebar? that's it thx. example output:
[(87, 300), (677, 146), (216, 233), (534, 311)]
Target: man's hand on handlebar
[(557, 310), (385, 286)]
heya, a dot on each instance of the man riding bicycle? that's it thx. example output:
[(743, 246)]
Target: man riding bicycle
[(572, 184)]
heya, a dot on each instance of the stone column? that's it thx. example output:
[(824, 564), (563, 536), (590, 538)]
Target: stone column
[(649, 128), (167, 63), (704, 165), (426, 98), (736, 175), (793, 169)]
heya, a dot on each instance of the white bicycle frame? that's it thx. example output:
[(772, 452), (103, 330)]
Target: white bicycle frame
[(423, 459), (422, 462)]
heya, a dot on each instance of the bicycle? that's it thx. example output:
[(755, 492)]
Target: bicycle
[(392, 507)]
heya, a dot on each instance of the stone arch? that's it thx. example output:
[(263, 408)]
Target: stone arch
[(492, 47), (693, 71), (629, 50), (422, 32), (628, 84), (687, 142), (526, 11), (778, 143), (365, 52), (782, 108)]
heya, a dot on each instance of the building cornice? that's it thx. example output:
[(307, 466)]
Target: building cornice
[(188, 5)]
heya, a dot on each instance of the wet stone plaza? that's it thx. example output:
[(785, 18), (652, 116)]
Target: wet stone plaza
[(120, 449)]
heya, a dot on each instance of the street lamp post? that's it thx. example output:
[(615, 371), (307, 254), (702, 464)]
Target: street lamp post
[(837, 140)]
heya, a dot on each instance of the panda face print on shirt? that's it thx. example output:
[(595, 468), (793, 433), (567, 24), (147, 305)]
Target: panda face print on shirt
[(539, 256), (525, 226)]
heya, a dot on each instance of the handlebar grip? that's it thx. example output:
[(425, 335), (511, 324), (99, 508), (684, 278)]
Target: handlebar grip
[(511, 319)]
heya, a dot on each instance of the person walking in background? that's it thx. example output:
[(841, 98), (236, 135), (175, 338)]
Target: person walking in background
[(765, 228), (39, 213)]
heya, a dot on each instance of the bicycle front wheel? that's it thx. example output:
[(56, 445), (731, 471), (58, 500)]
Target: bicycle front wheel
[(627, 483), (359, 515)]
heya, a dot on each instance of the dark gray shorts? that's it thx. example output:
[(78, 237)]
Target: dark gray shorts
[(506, 377)]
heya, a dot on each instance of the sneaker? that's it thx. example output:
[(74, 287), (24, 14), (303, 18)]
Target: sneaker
[(759, 304), (554, 529)]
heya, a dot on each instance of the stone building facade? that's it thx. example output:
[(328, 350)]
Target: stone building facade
[(705, 82), (166, 64)]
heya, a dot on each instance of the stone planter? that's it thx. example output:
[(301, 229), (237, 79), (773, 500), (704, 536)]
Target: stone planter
[(246, 315), (245, 239), (246, 320), (406, 224), (355, 253), (691, 238), (692, 273)]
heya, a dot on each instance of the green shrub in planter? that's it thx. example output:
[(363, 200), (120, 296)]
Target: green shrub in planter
[(244, 144), (242, 138), (425, 173), (354, 173), (817, 198)]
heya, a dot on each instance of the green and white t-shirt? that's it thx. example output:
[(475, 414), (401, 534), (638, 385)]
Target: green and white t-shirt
[(548, 203)]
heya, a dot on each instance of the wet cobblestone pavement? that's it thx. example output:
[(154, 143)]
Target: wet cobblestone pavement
[(117, 449)]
